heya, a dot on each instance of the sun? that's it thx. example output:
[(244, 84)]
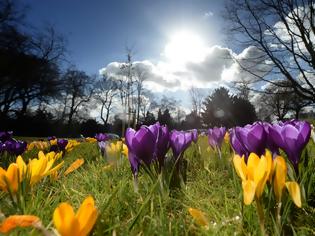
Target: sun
[(185, 46)]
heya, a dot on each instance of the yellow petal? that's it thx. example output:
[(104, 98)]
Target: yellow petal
[(65, 221), (295, 192), (14, 221), (12, 176), (87, 215), (240, 166), (75, 165), (2, 179), (22, 167), (57, 167), (38, 166), (249, 189), (91, 140), (41, 155), (260, 176), (37, 169), (125, 150), (268, 156), (50, 156), (252, 163), (198, 216), (53, 142), (280, 176)]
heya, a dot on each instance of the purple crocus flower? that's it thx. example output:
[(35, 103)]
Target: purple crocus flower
[(102, 146), (101, 137), (62, 143), (134, 163), (51, 138), (180, 141), (195, 135), (141, 143), (270, 144), (237, 144), (5, 136), (53, 148), (253, 138), (20, 147), (9, 146), (216, 136), (162, 144), (14, 147), (291, 137)]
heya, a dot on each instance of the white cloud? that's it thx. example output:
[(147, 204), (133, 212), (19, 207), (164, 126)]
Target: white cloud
[(211, 68), (208, 14), (167, 75)]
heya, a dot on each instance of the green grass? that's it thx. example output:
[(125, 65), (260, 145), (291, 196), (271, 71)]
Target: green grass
[(215, 190)]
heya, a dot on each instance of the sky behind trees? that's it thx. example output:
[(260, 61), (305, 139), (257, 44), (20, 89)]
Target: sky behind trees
[(98, 31)]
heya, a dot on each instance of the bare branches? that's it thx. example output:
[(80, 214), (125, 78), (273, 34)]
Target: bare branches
[(284, 32)]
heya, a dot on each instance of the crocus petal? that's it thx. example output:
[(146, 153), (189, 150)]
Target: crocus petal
[(12, 176), (260, 176), (2, 178), (252, 163), (249, 189), (268, 156), (305, 130), (130, 133), (22, 167), (64, 220), (280, 176), (275, 135), (198, 216), (134, 162), (75, 165), (87, 215), (240, 166), (15, 221), (295, 192)]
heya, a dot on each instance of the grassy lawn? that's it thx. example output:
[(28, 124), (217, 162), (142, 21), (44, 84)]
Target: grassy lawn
[(212, 187)]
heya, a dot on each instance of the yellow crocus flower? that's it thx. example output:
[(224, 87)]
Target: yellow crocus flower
[(90, 140), (254, 174), (71, 144), (280, 174), (40, 145), (53, 142), (9, 179), (41, 167), (68, 223), (124, 149), (114, 150)]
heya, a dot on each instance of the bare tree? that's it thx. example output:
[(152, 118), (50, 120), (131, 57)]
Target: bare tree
[(78, 90), (197, 97), (283, 35), (140, 76), (280, 101), (105, 93), (126, 89)]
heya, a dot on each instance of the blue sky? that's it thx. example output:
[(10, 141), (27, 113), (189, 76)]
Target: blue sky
[(179, 43), (98, 31)]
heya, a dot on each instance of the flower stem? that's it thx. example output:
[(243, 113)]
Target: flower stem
[(278, 215), (135, 183), (261, 216)]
